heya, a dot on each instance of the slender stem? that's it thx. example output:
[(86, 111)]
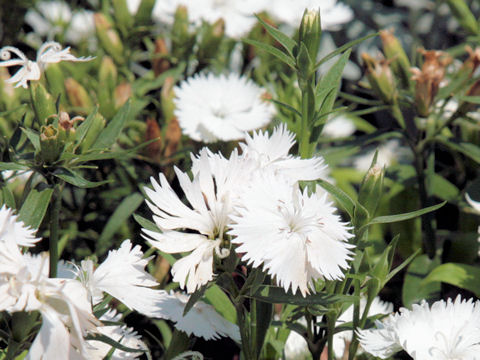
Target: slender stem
[(304, 143), (54, 227), (331, 320), (253, 328)]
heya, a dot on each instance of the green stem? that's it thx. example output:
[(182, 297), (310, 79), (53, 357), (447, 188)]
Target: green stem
[(331, 320), (54, 228)]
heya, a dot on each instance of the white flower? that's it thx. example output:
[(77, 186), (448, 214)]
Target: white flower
[(388, 154), (209, 196), (120, 333), (81, 27), (211, 108), (202, 320), (48, 17), (474, 204), (339, 127), (122, 275), (12, 227), (340, 339), (445, 331), (271, 154), (296, 236), (290, 12), (49, 53)]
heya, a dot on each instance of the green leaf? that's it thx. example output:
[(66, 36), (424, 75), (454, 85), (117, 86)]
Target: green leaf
[(196, 296), (275, 294), (404, 216), (288, 107), (461, 275), (145, 223), (120, 215), (468, 149), (442, 188), (109, 135), (343, 199), (283, 39), (343, 48), (33, 136), (105, 339), (222, 304), (332, 79), (149, 82), (7, 197), (12, 166), (35, 207), (413, 290), (76, 179), (273, 51), (82, 130)]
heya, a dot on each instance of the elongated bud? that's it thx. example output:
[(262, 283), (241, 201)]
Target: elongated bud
[(77, 96), (154, 149), (381, 78), (123, 92), (122, 16), (162, 269), (144, 12), (182, 40), (472, 62), (107, 73), (172, 137), (371, 189), (43, 103), (428, 79), (464, 16), (160, 63), (109, 38), (211, 37), (310, 32), (397, 57), (93, 132), (167, 96), (465, 106)]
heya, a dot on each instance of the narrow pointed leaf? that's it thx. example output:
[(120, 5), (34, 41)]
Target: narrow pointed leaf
[(343, 199), (35, 207), (110, 134), (273, 51), (283, 39), (404, 216), (76, 179)]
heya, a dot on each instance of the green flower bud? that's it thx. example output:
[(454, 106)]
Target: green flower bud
[(397, 57), (167, 95), (310, 32), (107, 74), (123, 18), (43, 103), (182, 40), (211, 38), (77, 96), (51, 143), (381, 78), (55, 81), (144, 12), (371, 189), (109, 38)]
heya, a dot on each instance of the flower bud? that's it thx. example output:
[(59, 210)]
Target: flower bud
[(166, 96), (154, 149), (428, 79), (182, 40), (310, 32), (211, 38), (65, 126), (123, 92), (109, 38), (371, 189), (397, 57), (144, 12), (160, 63), (107, 74), (464, 16), (55, 81), (473, 61), (43, 103), (381, 78), (93, 132), (77, 96), (122, 16)]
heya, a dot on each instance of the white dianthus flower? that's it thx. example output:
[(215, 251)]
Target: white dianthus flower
[(11, 226), (211, 108), (339, 127), (295, 236), (448, 330)]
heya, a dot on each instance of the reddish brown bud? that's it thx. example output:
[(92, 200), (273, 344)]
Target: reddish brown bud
[(154, 149), (123, 92), (159, 63)]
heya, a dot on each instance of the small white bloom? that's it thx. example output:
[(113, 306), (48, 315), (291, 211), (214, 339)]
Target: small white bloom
[(202, 320), (339, 127), (48, 17), (211, 108), (82, 27), (474, 204), (12, 227), (296, 236), (122, 275), (388, 154), (271, 154), (210, 198), (49, 53), (448, 330)]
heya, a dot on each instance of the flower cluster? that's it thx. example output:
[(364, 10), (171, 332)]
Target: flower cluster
[(252, 200), (66, 303)]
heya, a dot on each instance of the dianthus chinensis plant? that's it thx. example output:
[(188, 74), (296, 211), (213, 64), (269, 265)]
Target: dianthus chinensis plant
[(258, 236)]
